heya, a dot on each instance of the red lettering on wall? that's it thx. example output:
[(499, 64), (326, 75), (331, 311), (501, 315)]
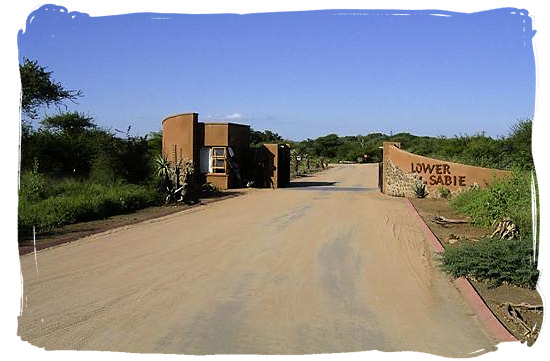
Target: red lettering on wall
[(428, 168), (443, 171)]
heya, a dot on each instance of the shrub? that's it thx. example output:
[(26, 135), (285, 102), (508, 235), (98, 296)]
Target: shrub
[(496, 261), (75, 201), (505, 198), (33, 184), (519, 144)]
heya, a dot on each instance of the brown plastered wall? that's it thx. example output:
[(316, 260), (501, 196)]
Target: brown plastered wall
[(272, 168), (277, 170), (181, 131), (216, 134), (220, 181), (403, 167)]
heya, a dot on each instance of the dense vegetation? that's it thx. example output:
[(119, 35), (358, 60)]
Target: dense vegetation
[(506, 198), (72, 170), (71, 201), (498, 261), (82, 174)]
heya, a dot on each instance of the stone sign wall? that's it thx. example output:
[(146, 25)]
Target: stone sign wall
[(401, 170)]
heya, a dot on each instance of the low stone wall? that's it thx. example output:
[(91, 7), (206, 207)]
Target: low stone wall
[(402, 169), (399, 183)]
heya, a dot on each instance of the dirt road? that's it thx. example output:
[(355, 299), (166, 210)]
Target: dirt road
[(328, 265)]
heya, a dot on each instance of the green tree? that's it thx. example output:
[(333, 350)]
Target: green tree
[(38, 89), (258, 138), (154, 139), (519, 144), (64, 144), (326, 146), (71, 123)]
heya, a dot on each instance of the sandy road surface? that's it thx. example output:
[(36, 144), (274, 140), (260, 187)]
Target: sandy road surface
[(319, 267)]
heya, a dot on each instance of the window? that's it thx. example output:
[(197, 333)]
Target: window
[(218, 160)]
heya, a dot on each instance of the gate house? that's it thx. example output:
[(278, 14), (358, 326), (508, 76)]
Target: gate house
[(221, 152)]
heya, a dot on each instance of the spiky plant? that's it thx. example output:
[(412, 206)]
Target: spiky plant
[(163, 168), (420, 189), (177, 178)]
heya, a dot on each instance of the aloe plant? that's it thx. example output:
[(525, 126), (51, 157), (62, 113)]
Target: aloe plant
[(177, 178), (163, 168), (420, 189)]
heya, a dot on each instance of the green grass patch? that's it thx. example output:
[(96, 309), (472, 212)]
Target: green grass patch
[(70, 201)]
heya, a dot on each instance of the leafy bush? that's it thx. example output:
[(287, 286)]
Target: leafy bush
[(508, 197), (519, 145), (73, 201), (496, 261), (33, 184)]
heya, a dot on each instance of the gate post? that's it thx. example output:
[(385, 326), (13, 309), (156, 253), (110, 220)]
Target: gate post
[(385, 158)]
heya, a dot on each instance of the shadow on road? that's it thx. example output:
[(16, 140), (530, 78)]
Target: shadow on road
[(310, 184)]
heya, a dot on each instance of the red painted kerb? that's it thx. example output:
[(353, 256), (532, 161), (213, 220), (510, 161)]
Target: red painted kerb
[(485, 315)]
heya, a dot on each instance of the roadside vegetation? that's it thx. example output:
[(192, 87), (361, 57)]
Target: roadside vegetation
[(510, 254), (70, 176), (497, 260), (71, 170)]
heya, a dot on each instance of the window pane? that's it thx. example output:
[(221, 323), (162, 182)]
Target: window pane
[(218, 163), (219, 152)]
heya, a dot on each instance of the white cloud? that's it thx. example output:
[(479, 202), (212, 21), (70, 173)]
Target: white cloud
[(233, 116)]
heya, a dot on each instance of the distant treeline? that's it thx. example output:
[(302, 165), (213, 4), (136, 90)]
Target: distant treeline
[(512, 151)]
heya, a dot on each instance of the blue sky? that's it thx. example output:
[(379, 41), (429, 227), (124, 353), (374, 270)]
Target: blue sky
[(301, 74)]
